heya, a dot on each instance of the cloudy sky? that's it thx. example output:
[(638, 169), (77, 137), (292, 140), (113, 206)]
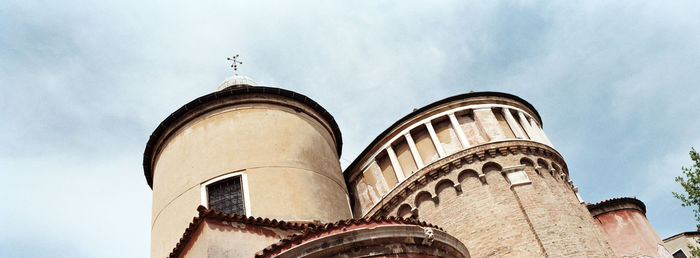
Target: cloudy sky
[(83, 84)]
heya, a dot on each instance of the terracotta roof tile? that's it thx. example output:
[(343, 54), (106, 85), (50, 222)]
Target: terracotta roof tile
[(688, 233), (205, 213), (311, 232), (613, 201)]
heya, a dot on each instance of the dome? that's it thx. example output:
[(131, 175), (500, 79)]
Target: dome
[(236, 80)]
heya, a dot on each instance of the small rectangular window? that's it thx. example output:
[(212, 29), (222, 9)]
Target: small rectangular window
[(226, 196), (679, 254)]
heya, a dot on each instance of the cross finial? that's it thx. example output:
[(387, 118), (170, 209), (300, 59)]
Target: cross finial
[(235, 63)]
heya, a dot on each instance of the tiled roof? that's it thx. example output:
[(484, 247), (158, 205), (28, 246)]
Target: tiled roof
[(618, 200), (205, 213), (311, 232), (688, 233)]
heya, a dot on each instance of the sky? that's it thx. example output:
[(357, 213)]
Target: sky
[(84, 83)]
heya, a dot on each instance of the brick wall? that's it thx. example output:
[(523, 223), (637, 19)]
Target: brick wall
[(475, 203)]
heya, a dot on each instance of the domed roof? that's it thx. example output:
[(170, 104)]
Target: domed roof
[(238, 81)]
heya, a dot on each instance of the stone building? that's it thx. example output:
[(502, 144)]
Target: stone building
[(250, 170), (678, 244)]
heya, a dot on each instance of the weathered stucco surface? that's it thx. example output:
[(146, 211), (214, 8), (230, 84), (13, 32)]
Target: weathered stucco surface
[(447, 137), (231, 239), (473, 133), (680, 242), (288, 156), (629, 233), (403, 153)]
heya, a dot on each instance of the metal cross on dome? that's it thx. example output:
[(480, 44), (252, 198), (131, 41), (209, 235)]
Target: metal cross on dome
[(235, 63)]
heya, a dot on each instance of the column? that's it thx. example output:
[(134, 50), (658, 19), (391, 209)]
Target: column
[(513, 123), (395, 163), (436, 141), (526, 124), (414, 150), (543, 136), (458, 131)]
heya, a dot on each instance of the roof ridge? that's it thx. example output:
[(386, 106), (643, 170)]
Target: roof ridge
[(320, 229), (615, 200), (205, 213)]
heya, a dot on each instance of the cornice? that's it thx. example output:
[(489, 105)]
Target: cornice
[(616, 204), (446, 165)]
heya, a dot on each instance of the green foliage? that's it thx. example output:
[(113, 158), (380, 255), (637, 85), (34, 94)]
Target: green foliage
[(694, 251), (690, 181)]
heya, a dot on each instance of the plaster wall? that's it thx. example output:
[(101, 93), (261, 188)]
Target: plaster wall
[(405, 158), (629, 233), (681, 242), (475, 136), (447, 136), (486, 120), (223, 239), (425, 145), (288, 157), (387, 169)]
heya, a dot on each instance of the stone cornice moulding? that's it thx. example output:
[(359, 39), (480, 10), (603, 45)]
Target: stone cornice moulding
[(444, 166)]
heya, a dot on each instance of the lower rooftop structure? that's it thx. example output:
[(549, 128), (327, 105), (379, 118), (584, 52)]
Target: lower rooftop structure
[(217, 234), (679, 244)]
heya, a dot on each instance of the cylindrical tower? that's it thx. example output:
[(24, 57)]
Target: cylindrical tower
[(479, 165), (244, 149), (624, 223)]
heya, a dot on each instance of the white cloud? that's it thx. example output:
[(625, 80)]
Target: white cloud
[(83, 84)]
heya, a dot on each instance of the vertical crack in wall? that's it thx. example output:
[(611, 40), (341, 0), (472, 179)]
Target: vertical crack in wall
[(529, 223)]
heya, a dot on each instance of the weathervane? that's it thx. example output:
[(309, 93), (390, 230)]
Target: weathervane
[(235, 63)]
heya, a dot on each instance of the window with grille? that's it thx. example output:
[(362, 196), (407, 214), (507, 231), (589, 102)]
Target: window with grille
[(226, 196), (679, 254)]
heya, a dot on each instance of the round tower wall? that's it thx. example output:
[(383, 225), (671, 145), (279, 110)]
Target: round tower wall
[(284, 153), (499, 187), (624, 223)]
